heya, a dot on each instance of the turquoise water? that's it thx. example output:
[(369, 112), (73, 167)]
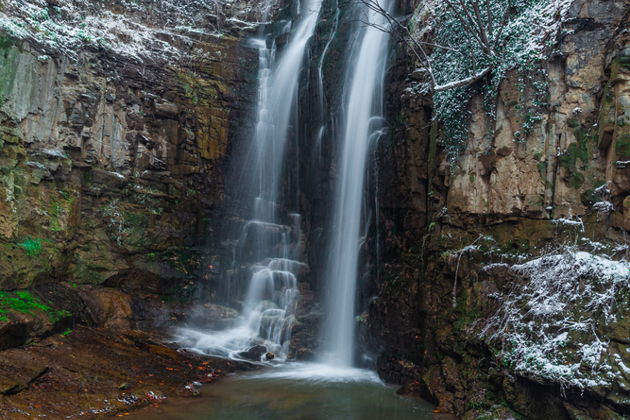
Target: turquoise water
[(300, 392)]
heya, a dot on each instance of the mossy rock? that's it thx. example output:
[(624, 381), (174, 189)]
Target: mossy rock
[(207, 99), (576, 157), (60, 208), (94, 261), (9, 53), (23, 301), (24, 262), (25, 317), (622, 147)]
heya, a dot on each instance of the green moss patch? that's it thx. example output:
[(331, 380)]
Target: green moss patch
[(32, 246), (59, 207), (24, 302), (578, 151), (623, 147)]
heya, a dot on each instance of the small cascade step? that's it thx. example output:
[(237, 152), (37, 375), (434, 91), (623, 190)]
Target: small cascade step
[(260, 239), (288, 264), (267, 225)]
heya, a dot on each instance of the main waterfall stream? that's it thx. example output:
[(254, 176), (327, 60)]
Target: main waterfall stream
[(363, 105)]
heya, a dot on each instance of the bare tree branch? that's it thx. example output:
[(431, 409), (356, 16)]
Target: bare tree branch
[(466, 26), (480, 24), (490, 18), (463, 82), (504, 22), (473, 25)]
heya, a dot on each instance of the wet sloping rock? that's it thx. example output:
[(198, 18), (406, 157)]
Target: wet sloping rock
[(90, 373)]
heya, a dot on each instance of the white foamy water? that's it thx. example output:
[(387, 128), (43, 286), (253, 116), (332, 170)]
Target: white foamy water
[(318, 372)]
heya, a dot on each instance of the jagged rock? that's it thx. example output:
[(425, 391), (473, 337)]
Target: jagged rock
[(305, 336), (167, 110), (85, 145)]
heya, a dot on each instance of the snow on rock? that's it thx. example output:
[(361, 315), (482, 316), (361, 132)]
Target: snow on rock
[(577, 222), (552, 326), (604, 207), (602, 189), (140, 30)]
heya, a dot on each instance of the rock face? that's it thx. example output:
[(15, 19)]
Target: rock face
[(114, 149), (460, 248), (575, 147)]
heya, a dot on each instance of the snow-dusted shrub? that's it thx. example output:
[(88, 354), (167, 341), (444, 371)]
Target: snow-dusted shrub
[(519, 33), (551, 325)]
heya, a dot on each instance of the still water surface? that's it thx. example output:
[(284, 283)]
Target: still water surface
[(296, 392)]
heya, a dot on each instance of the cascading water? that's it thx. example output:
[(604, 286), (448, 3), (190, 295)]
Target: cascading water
[(363, 105), (269, 246)]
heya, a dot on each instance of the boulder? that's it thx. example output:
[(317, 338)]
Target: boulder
[(254, 353), (109, 308)]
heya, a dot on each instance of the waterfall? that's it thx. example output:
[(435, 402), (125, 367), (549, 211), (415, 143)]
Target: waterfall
[(270, 241), (363, 106), (269, 245)]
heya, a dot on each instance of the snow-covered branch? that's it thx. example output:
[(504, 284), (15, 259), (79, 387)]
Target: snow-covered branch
[(463, 82)]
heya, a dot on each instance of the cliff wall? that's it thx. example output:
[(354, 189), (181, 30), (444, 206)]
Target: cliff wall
[(487, 262), (116, 128)]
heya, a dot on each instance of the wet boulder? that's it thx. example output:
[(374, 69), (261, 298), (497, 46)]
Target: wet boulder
[(254, 353)]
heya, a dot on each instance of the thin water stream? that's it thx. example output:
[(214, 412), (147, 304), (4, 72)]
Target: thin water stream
[(296, 392)]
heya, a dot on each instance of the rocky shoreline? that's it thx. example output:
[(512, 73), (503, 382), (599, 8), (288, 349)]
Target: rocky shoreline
[(97, 372)]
